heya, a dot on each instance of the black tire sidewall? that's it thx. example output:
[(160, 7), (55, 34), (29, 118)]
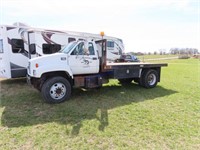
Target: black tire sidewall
[(48, 84)]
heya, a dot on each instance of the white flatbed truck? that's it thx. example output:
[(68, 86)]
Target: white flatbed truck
[(83, 64)]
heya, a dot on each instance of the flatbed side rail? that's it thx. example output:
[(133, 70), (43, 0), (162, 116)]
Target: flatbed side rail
[(134, 65)]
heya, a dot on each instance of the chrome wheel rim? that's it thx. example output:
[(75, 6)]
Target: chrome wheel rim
[(151, 79), (57, 91)]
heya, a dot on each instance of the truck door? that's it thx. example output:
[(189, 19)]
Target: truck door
[(84, 59)]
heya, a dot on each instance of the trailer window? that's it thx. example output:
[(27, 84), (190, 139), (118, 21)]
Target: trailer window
[(1, 46), (50, 48), (17, 45), (110, 44), (71, 40)]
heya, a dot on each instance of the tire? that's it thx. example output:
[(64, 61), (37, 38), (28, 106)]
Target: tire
[(56, 90), (125, 81), (149, 78)]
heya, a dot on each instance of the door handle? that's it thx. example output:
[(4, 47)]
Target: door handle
[(94, 58)]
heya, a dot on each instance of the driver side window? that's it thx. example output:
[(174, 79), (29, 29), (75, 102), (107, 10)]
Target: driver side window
[(79, 50), (91, 49)]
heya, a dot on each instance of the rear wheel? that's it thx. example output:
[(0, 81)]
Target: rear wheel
[(149, 78), (56, 90)]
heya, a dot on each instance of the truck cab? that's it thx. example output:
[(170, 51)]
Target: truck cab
[(78, 57)]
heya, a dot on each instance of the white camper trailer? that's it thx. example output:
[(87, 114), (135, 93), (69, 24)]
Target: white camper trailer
[(19, 43)]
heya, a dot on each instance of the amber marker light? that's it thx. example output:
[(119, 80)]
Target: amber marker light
[(102, 33), (36, 65)]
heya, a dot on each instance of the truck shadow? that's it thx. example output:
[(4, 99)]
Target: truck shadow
[(23, 106)]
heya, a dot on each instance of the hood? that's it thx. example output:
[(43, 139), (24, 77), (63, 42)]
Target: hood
[(51, 59)]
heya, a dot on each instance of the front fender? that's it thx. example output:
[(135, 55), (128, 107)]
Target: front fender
[(53, 68)]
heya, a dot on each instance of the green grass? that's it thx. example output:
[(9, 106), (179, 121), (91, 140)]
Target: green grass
[(155, 56), (113, 117)]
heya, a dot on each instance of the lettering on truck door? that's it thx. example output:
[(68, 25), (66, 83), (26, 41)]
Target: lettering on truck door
[(83, 59)]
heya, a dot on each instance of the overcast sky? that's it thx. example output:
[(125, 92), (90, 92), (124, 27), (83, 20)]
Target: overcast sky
[(144, 25)]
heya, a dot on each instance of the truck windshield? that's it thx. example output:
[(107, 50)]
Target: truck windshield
[(66, 49)]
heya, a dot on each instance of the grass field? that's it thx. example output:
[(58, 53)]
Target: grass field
[(155, 56), (113, 117)]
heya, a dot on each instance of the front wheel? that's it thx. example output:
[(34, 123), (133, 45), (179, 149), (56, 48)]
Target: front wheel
[(149, 78), (56, 90)]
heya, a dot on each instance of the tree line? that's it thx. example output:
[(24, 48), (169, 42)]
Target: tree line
[(190, 51), (173, 51)]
